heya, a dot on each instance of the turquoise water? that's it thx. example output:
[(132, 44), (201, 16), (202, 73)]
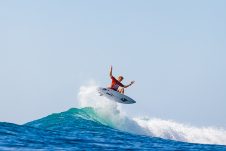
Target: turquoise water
[(85, 129)]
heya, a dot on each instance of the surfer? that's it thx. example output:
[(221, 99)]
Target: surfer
[(116, 83)]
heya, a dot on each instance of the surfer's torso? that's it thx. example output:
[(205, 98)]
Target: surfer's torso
[(115, 84)]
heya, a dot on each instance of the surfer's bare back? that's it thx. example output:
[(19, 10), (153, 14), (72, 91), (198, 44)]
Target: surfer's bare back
[(116, 83)]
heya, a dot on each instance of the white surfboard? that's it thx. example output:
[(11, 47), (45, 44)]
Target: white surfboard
[(115, 96)]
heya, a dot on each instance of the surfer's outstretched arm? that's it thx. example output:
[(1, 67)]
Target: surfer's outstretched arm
[(111, 72), (126, 86)]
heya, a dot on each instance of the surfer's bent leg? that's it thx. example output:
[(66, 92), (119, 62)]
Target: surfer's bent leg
[(121, 90)]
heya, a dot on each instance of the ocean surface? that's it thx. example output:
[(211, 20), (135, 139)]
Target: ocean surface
[(100, 124)]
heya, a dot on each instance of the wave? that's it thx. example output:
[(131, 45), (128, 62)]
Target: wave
[(102, 124), (111, 114), (85, 129)]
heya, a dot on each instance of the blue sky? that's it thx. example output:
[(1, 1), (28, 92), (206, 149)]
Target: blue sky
[(174, 50)]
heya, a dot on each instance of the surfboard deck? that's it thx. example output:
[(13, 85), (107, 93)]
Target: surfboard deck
[(115, 96)]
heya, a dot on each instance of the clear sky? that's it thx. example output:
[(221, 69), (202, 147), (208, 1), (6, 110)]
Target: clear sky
[(174, 50)]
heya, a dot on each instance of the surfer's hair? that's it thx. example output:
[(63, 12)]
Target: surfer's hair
[(121, 77)]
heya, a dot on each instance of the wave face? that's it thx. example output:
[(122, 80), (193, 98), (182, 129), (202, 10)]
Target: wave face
[(101, 124)]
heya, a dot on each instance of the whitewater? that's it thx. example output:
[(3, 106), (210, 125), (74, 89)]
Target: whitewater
[(112, 114), (100, 124)]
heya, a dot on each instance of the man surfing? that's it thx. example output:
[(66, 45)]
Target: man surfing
[(116, 83)]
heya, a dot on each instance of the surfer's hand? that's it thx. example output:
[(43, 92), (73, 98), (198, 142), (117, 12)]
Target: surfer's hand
[(132, 82)]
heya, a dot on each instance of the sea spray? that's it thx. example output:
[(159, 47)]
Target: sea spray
[(110, 113)]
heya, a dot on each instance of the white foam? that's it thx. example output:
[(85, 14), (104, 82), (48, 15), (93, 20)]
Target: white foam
[(114, 116), (176, 131), (88, 97)]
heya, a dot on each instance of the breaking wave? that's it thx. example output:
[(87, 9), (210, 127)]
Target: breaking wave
[(111, 114)]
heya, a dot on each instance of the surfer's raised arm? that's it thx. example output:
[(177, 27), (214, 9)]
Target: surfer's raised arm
[(111, 72), (126, 86)]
